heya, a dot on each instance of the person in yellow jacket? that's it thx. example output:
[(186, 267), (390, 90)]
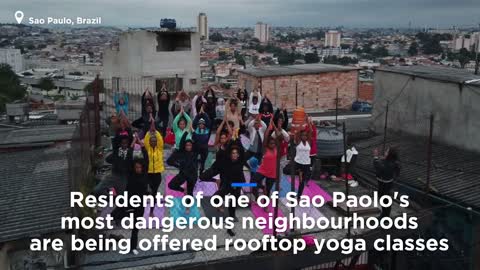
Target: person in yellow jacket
[(153, 142)]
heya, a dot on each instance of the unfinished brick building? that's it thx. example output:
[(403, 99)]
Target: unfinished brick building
[(312, 86)]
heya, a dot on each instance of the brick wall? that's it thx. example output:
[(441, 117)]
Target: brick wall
[(316, 92), (365, 91)]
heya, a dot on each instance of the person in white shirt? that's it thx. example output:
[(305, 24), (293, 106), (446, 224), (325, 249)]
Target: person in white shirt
[(256, 128), (197, 102), (302, 158), (254, 104)]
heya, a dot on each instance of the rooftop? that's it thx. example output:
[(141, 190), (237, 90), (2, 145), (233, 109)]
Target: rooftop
[(453, 174), (29, 178), (295, 70), (444, 74)]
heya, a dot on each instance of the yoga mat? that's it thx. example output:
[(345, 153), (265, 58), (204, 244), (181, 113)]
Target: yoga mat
[(245, 141), (211, 211), (159, 212), (178, 210), (284, 188), (208, 188), (170, 192), (211, 140), (311, 190), (247, 180), (259, 212), (309, 211)]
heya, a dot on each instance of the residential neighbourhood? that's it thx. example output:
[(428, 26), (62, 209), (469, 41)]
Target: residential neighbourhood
[(78, 103)]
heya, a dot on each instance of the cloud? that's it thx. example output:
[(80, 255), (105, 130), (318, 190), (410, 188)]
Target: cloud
[(363, 13)]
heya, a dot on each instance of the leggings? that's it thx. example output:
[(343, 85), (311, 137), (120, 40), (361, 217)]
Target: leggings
[(305, 169), (384, 188), (228, 189), (258, 178), (209, 173), (177, 182), (154, 180), (203, 152), (137, 212), (162, 124)]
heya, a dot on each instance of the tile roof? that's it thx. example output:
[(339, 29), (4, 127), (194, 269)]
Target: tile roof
[(294, 70), (37, 134), (454, 174), (34, 191), (445, 74)]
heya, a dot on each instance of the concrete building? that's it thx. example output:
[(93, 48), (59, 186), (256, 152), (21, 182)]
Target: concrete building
[(262, 32), (333, 39), (416, 92), (203, 26), (312, 86), (149, 57), (12, 57)]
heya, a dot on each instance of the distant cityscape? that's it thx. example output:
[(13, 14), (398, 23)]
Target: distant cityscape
[(72, 57)]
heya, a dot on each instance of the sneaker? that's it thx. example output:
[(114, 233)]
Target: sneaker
[(353, 183)]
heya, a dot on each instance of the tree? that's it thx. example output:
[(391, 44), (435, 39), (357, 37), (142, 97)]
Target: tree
[(413, 49), (216, 37), (89, 87), (367, 48), (380, 51), (286, 58), (255, 60), (239, 59), (463, 57), (222, 56), (46, 84), (311, 58), (431, 43), (10, 88)]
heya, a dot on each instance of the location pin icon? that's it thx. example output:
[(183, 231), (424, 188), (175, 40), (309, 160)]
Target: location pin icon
[(19, 16)]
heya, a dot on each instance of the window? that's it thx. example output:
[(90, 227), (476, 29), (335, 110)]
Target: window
[(116, 84), (173, 41), (193, 81), (170, 84)]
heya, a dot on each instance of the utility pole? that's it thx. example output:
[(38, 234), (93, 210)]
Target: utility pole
[(477, 60), (429, 154)]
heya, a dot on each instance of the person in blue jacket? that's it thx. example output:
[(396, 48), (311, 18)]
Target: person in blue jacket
[(121, 102), (201, 136)]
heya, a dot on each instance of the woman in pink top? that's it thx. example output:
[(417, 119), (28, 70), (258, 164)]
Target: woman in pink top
[(268, 168)]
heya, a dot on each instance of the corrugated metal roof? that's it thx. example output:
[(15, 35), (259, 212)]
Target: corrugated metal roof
[(38, 134), (447, 74), (455, 173), (294, 70), (34, 192)]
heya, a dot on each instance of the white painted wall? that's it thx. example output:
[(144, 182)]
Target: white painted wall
[(137, 57)]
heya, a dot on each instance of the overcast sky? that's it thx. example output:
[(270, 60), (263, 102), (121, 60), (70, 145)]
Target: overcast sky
[(350, 13)]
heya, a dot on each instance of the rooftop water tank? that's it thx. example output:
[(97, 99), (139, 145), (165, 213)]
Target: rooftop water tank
[(168, 23), (329, 142)]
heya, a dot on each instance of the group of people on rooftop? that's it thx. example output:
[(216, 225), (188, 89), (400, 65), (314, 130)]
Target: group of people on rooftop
[(243, 128)]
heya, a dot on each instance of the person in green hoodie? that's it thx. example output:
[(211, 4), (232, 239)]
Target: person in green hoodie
[(181, 124)]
